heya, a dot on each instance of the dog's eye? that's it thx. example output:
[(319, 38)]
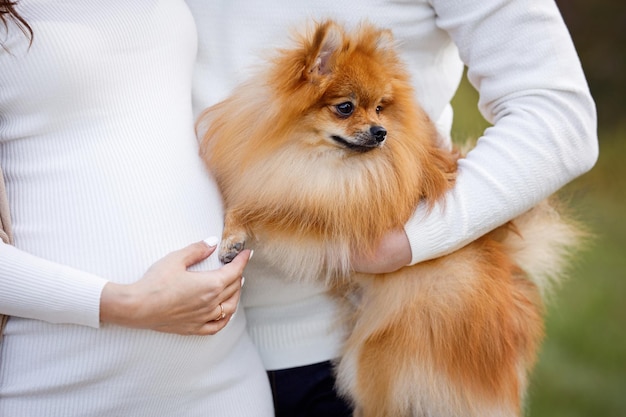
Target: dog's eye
[(379, 109), (345, 109)]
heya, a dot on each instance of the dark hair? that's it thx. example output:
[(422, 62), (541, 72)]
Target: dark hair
[(9, 14)]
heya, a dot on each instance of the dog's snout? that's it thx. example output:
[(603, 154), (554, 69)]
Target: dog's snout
[(378, 132)]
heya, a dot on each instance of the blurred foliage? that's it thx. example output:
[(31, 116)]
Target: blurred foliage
[(598, 30), (581, 370), (582, 365)]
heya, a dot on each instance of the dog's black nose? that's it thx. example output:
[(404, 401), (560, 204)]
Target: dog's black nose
[(378, 132)]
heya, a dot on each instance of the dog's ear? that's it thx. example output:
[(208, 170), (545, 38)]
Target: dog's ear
[(328, 39), (386, 41), (379, 40)]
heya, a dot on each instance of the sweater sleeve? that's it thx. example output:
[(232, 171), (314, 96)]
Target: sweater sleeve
[(35, 288), (531, 87)]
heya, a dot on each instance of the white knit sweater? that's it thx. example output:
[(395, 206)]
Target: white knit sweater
[(532, 89), (103, 177)]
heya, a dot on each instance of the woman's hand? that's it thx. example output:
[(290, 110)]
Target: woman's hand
[(392, 253), (171, 299)]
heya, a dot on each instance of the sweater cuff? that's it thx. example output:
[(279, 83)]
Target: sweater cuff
[(80, 304), (427, 235), (36, 288)]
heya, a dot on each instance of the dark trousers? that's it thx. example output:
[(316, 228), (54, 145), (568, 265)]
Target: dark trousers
[(307, 391)]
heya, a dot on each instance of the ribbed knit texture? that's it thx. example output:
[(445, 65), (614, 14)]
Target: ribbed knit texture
[(531, 85), (103, 178)]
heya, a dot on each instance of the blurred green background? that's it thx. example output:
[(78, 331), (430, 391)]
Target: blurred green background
[(582, 365)]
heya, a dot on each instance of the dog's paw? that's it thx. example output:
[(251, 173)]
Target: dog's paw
[(229, 248)]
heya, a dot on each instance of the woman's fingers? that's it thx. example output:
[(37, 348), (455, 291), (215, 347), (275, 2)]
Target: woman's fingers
[(171, 299), (391, 253), (228, 307), (220, 312), (224, 287), (236, 266)]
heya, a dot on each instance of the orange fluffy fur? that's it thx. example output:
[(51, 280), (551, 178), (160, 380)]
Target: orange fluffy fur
[(307, 184)]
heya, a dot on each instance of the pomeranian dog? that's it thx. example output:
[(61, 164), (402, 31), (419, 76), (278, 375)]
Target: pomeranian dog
[(320, 154)]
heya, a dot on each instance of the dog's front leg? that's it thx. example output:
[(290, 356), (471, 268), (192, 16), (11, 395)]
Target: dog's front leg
[(233, 238)]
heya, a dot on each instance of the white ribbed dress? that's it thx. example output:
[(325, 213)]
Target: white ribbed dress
[(520, 58), (100, 158)]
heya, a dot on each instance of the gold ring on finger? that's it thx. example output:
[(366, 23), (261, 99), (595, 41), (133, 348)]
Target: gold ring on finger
[(222, 313)]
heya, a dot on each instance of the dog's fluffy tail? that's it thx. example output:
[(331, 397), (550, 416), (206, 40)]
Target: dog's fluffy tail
[(544, 243)]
